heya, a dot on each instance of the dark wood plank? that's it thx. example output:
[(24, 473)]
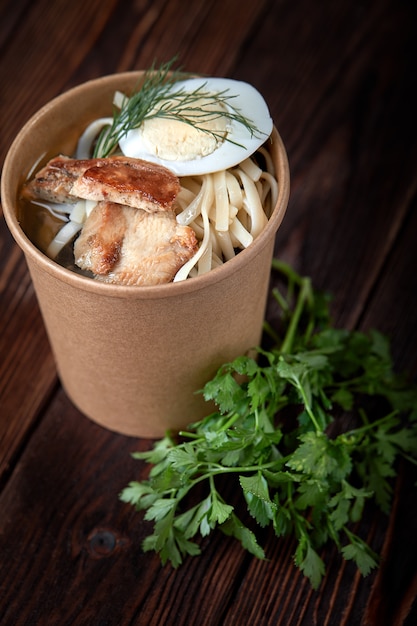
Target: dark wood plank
[(45, 47), (340, 80), (393, 309), (72, 528), (346, 113), (27, 369)]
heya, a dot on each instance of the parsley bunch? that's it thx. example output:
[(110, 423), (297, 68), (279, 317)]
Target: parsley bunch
[(310, 431)]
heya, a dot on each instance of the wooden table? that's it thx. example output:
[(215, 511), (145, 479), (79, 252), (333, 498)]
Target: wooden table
[(339, 78)]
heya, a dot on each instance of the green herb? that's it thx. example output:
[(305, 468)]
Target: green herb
[(312, 434), (157, 98)]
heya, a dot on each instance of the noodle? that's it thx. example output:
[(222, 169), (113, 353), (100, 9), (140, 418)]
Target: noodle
[(251, 169), (205, 207), (252, 204), (234, 191), (65, 235), (86, 141), (221, 201), (226, 245), (193, 209), (270, 187), (204, 264), (236, 204), (241, 234)]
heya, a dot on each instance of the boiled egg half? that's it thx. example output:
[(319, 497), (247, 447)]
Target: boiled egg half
[(223, 122)]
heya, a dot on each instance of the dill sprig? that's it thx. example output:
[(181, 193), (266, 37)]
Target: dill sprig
[(157, 98)]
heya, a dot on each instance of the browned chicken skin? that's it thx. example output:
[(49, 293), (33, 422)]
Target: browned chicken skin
[(133, 182)]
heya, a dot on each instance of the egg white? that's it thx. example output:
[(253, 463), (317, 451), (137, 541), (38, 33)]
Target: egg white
[(244, 98)]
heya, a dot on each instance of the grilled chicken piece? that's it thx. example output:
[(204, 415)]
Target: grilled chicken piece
[(132, 182), (129, 246), (54, 182)]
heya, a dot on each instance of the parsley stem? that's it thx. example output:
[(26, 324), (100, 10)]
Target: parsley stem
[(282, 302), (233, 418), (409, 458), (307, 406), (216, 469), (303, 296), (370, 425), (196, 436)]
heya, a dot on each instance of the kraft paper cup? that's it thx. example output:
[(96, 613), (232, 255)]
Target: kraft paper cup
[(133, 358)]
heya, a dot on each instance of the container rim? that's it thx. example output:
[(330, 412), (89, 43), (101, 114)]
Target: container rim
[(9, 193)]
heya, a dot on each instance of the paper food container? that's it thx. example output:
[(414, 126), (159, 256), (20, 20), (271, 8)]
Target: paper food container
[(133, 358)]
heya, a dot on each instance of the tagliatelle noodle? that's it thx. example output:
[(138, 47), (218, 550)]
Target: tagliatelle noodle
[(64, 235), (215, 246), (86, 141), (226, 245), (205, 262), (252, 204), (240, 233), (207, 201), (186, 196), (216, 261), (191, 211), (241, 199), (251, 169), (221, 201), (234, 190), (60, 211), (198, 227), (271, 187), (76, 215)]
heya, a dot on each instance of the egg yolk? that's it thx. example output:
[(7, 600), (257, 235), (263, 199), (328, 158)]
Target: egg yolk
[(176, 140)]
